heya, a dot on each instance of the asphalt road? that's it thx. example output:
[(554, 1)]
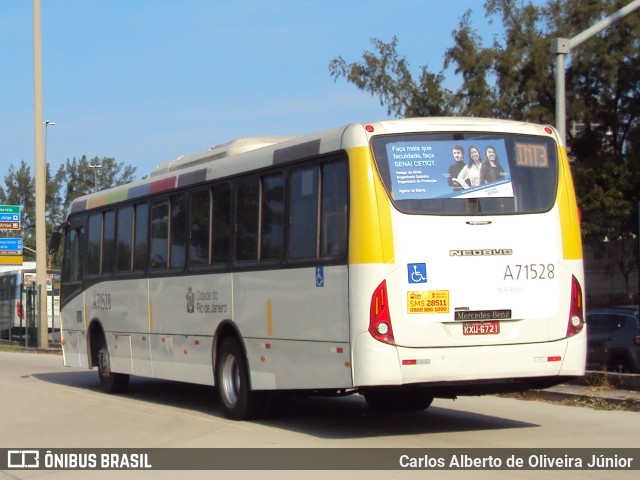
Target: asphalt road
[(45, 405)]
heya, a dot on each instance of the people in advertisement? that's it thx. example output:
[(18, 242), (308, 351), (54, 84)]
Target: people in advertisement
[(422, 169), (470, 175), (456, 167), (491, 170)]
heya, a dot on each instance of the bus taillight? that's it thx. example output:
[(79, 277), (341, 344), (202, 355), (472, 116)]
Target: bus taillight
[(576, 319), (379, 316)]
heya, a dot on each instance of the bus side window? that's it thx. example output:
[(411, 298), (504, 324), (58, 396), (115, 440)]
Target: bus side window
[(141, 237), (74, 266), (124, 240), (247, 217), (94, 243), (334, 209), (159, 254), (178, 227), (72, 269), (221, 224), (303, 222), (272, 217), (199, 228), (108, 242)]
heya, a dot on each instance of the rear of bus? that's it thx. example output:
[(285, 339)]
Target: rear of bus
[(466, 286)]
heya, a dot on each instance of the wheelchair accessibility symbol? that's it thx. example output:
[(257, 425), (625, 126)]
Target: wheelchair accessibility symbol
[(417, 272), (319, 276)]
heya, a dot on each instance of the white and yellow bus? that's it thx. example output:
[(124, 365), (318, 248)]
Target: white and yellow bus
[(402, 259)]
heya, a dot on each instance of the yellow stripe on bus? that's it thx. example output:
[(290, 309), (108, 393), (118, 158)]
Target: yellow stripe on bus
[(568, 207), (371, 238), (269, 318), (107, 198)]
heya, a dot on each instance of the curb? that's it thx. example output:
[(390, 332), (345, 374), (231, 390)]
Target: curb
[(592, 397), (614, 380)]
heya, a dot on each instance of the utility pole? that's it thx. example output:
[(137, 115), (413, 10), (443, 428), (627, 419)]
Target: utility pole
[(41, 184), (561, 47), (95, 168)]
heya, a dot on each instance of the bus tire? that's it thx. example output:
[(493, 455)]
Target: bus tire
[(389, 399), (110, 382), (232, 380)]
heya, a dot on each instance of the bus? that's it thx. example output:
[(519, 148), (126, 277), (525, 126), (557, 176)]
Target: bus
[(18, 300), (364, 259)]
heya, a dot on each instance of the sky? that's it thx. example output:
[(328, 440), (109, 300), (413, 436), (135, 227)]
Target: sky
[(145, 81)]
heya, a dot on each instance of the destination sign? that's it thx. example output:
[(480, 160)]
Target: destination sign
[(10, 217), (9, 225), (10, 246), (14, 209)]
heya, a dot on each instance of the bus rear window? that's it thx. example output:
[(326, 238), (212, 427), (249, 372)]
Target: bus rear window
[(468, 173)]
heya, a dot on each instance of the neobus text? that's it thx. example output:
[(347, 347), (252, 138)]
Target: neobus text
[(481, 252)]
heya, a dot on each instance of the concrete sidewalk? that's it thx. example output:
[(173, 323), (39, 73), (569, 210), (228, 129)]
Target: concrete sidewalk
[(596, 396), (597, 389)]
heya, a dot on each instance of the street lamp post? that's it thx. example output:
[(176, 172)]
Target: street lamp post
[(40, 181), (95, 176), (561, 47), (46, 124)]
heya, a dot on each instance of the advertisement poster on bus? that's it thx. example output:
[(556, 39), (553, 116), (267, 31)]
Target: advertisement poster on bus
[(449, 169)]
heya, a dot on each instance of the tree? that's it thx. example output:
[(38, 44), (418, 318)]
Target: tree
[(19, 190), (604, 101), (514, 79), (80, 179), (387, 75), (73, 179)]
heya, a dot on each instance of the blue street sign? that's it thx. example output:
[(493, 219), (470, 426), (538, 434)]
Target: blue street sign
[(9, 217), (10, 246)]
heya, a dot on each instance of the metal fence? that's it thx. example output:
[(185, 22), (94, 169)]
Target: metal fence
[(19, 316), (611, 266)]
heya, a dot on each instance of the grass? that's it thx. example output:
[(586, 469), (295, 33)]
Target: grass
[(11, 348), (14, 347)]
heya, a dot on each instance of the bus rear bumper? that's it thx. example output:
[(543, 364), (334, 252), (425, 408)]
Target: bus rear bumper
[(534, 365)]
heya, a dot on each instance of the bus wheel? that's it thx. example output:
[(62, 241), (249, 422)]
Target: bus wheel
[(111, 382), (397, 399), (232, 379)]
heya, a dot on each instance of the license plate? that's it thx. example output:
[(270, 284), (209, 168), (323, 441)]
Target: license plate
[(481, 328)]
